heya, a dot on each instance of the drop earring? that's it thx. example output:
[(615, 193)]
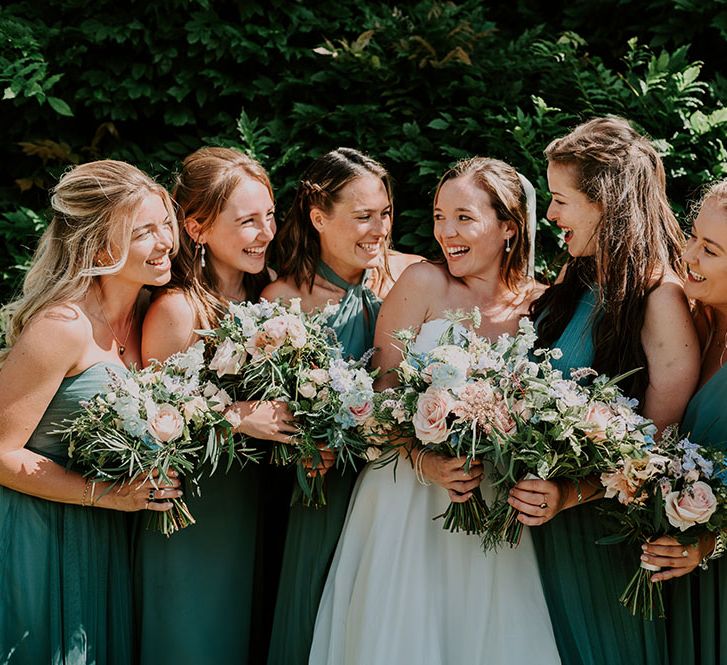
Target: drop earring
[(202, 262), (507, 244)]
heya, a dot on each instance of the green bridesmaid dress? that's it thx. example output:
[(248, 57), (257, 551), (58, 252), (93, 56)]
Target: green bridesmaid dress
[(582, 581), (193, 590), (313, 534), (697, 619), (65, 583)]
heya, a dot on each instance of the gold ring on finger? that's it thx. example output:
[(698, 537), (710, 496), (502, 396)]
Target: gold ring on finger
[(544, 504)]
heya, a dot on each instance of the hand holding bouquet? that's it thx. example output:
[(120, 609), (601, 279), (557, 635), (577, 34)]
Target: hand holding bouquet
[(674, 488), (151, 422), (270, 351)]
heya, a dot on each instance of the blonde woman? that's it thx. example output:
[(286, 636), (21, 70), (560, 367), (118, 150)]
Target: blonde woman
[(65, 595)]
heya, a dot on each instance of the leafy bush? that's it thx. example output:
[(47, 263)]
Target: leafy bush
[(417, 86)]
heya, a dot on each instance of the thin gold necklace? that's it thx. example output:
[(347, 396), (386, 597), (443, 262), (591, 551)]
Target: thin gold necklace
[(121, 345)]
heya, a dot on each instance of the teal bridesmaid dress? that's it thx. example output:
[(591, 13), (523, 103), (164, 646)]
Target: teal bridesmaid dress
[(582, 581), (697, 619), (65, 583), (193, 590), (313, 534)]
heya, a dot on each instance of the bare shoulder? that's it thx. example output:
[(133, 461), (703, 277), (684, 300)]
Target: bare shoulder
[(399, 262), (283, 288), (529, 292), (667, 296), (172, 308), (56, 336), (424, 276)]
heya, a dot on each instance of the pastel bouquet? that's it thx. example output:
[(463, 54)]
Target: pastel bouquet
[(150, 422), (560, 429), (671, 488), (271, 351), (447, 399)]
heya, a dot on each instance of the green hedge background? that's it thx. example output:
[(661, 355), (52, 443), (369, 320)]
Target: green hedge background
[(416, 84)]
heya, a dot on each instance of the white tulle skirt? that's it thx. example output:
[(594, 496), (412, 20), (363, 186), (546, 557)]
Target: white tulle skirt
[(402, 590)]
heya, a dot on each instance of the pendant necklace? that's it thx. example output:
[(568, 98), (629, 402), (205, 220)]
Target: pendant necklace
[(121, 345)]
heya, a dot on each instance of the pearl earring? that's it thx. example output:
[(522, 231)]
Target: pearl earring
[(202, 262), (507, 244)]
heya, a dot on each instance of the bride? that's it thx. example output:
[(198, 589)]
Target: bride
[(401, 589)]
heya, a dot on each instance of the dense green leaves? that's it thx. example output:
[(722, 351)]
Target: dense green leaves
[(416, 85)]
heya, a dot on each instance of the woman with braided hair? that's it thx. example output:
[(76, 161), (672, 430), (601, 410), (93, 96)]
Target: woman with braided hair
[(331, 248), (617, 305)]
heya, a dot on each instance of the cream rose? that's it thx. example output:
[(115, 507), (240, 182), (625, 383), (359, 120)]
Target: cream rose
[(166, 424), (690, 506), (598, 417), (307, 390), (227, 359), (430, 419)]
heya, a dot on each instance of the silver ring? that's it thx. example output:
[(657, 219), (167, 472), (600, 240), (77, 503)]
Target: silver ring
[(543, 505), (151, 495)]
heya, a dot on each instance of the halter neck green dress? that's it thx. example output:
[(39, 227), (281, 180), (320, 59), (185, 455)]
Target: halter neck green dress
[(582, 581), (65, 585), (313, 534), (697, 619)]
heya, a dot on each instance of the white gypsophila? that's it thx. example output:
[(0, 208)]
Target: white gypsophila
[(180, 385), (192, 360)]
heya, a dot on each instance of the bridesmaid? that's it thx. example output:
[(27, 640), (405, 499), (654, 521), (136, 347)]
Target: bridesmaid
[(194, 590), (698, 611), (331, 247), (618, 304), (65, 595)]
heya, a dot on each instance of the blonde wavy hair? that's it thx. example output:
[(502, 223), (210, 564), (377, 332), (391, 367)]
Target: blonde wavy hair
[(94, 206)]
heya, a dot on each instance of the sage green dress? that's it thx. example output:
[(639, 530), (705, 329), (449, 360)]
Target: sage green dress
[(193, 590), (65, 584), (697, 619), (313, 534), (583, 581)]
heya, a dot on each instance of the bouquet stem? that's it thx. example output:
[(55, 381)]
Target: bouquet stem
[(281, 454), (502, 526), (642, 596), (469, 516), (171, 521)]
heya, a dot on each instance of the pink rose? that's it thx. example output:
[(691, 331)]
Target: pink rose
[(598, 416), (361, 412), (693, 505), (166, 424), (430, 419)]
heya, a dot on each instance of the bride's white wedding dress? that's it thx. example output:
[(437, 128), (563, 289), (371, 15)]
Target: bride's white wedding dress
[(403, 591)]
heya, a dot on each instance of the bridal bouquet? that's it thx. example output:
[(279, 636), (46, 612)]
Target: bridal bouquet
[(150, 422), (560, 429), (449, 398), (673, 488), (270, 351)]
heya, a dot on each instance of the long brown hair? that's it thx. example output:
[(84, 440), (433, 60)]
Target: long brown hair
[(507, 196), (94, 206), (207, 179), (637, 240), (297, 245)]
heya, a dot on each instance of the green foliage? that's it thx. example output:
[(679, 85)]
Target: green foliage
[(416, 85)]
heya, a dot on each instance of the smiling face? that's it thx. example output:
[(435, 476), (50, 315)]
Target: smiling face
[(572, 210), (353, 233), (152, 238), (706, 255), (239, 236), (467, 228)]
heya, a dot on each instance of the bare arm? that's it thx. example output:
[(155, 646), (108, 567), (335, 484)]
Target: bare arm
[(404, 307), (671, 346), (168, 328), (29, 379)]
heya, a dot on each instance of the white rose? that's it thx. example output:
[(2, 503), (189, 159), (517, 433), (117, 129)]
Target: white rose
[(307, 390), (227, 359)]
